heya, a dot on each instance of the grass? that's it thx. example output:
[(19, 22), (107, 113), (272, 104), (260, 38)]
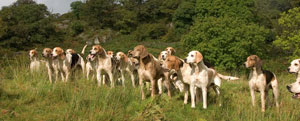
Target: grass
[(25, 96)]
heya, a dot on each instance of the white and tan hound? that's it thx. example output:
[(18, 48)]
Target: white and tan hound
[(261, 80)]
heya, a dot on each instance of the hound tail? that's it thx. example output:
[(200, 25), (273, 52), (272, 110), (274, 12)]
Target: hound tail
[(83, 50), (229, 78)]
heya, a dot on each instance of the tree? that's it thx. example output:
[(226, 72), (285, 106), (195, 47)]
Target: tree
[(225, 41), (288, 38)]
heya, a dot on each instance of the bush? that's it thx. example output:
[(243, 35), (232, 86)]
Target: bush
[(150, 31), (288, 38), (226, 42), (77, 27)]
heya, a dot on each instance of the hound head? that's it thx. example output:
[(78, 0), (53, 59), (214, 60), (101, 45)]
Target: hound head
[(33, 53), (194, 57), (135, 62), (70, 51), (139, 52), (295, 89), (172, 62), (163, 55), (47, 53), (170, 50), (58, 52), (90, 57), (97, 49), (253, 61), (295, 66), (110, 54), (122, 57)]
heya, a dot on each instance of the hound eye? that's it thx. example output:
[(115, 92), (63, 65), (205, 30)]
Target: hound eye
[(192, 55), (296, 64)]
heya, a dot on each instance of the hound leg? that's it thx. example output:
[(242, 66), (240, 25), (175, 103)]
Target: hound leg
[(192, 91), (275, 93), (99, 79), (252, 96), (168, 84), (217, 90), (82, 63), (132, 78), (112, 81), (263, 103), (204, 94), (50, 75), (159, 82), (186, 93), (62, 76), (56, 75), (87, 73), (67, 76), (123, 78), (153, 84), (142, 87)]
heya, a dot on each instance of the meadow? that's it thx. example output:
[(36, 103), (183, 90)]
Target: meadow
[(25, 96)]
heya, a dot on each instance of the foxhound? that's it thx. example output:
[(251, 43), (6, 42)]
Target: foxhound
[(47, 54), (105, 63), (295, 87), (79, 61), (202, 77), (261, 80), (35, 62), (149, 69), (125, 64)]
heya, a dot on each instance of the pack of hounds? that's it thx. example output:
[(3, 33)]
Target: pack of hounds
[(190, 75)]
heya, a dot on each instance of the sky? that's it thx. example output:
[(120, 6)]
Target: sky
[(54, 6)]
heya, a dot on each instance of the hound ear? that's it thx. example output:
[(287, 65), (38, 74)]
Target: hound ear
[(159, 56), (258, 62), (144, 52), (198, 57), (178, 64), (129, 54), (125, 58), (173, 51)]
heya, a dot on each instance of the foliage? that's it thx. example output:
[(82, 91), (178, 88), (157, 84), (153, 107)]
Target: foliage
[(77, 27), (226, 41), (25, 24), (288, 38)]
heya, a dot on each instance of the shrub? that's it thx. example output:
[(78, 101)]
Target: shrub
[(226, 42)]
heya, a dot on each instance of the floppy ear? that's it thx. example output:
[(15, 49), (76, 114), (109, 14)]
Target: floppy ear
[(129, 54), (258, 62), (144, 53), (62, 54), (198, 57), (178, 64), (125, 58), (159, 56), (173, 51)]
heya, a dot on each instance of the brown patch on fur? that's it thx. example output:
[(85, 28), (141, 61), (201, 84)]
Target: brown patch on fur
[(171, 49), (254, 61), (110, 53), (98, 49), (198, 57), (33, 52), (140, 51), (173, 63), (71, 51), (47, 52), (60, 52)]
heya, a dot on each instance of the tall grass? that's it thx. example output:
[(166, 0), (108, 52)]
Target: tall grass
[(25, 96)]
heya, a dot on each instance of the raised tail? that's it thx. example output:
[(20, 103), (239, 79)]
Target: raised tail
[(229, 78), (83, 50)]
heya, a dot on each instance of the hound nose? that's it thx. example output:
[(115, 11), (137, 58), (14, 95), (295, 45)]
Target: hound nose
[(90, 52), (288, 69), (244, 64), (185, 60)]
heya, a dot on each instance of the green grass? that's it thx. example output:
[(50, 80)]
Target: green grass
[(25, 96)]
